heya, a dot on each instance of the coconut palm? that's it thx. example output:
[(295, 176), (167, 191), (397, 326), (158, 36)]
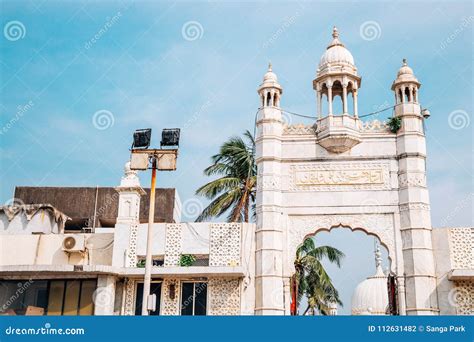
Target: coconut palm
[(311, 279), (234, 191)]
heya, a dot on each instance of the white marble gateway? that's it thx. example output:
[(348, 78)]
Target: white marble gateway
[(342, 172), (336, 172)]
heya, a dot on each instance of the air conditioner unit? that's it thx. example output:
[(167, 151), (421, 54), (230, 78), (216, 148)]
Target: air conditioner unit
[(74, 243)]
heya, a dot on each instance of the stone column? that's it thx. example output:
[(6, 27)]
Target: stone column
[(318, 103), (104, 296), (269, 296), (401, 296), (330, 99), (354, 96), (344, 98), (415, 220)]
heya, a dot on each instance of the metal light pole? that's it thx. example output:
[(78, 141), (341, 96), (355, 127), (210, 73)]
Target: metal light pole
[(148, 259), (161, 159)]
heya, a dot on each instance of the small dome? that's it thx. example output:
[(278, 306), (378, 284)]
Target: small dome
[(371, 296), (270, 76), (336, 53), (405, 74), (270, 80), (405, 69)]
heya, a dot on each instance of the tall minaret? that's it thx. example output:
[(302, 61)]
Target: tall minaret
[(414, 203), (272, 295)]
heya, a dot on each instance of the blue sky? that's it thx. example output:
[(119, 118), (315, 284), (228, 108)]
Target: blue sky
[(144, 69)]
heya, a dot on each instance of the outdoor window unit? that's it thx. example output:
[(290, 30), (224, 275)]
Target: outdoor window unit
[(194, 298), (155, 288)]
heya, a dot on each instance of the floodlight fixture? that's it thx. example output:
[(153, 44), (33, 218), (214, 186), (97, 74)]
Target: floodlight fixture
[(141, 138), (170, 137)]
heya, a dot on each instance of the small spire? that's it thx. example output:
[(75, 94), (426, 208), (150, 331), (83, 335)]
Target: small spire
[(378, 257), (335, 38), (269, 66), (404, 62)]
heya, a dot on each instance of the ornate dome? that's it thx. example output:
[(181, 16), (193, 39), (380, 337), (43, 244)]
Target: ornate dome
[(405, 74), (270, 80), (270, 76), (371, 296), (336, 54)]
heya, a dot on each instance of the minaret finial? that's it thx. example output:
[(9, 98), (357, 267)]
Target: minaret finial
[(404, 61), (269, 65), (378, 257), (335, 32)]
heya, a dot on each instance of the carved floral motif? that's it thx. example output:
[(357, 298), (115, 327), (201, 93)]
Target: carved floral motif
[(298, 129)]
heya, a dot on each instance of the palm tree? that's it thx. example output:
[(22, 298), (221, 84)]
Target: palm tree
[(311, 279), (235, 190)]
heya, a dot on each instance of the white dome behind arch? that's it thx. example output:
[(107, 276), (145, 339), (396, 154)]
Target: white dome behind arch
[(371, 295)]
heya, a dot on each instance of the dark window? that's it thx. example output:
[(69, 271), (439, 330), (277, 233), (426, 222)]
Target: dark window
[(201, 260), (155, 288), (194, 299), (76, 225), (156, 262), (47, 297)]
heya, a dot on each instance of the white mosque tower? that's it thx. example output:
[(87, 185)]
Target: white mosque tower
[(270, 90), (336, 78), (371, 296)]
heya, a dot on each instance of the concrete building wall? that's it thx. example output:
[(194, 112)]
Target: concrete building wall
[(46, 249)]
